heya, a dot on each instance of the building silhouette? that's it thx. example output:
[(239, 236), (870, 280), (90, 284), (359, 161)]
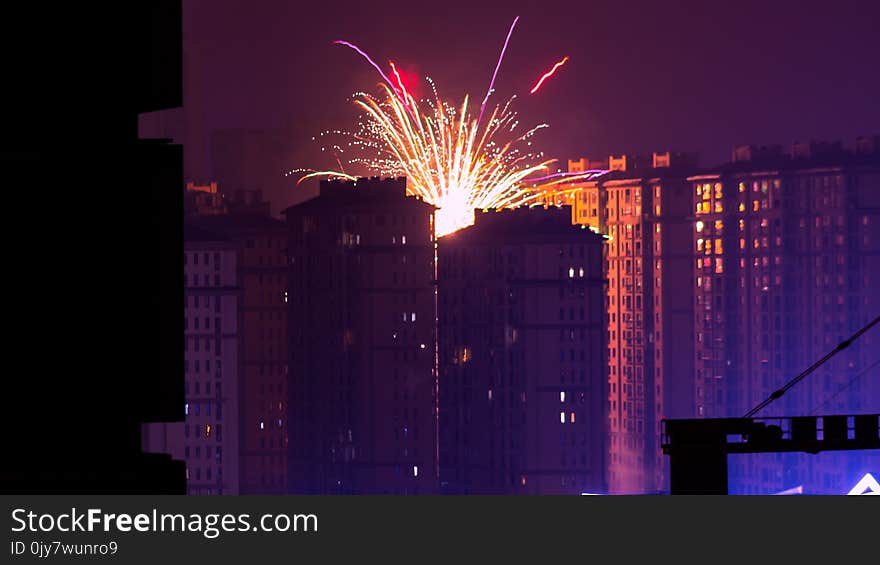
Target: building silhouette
[(361, 341), (522, 355), (109, 285)]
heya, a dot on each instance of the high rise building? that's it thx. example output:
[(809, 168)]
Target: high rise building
[(208, 439), (253, 335), (260, 242), (645, 216), (787, 265), (361, 340), (522, 355), (643, 206)]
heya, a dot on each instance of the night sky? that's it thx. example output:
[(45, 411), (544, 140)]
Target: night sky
[(642, 76)]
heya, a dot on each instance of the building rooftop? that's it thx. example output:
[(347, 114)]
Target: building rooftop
[(362, 192), (522, 223), (803, 156)]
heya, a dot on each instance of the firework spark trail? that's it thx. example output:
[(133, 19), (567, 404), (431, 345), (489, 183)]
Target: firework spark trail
[(400, 82), (560, 175), (369, 60), (549, 74), (497, 66), (325, 174)]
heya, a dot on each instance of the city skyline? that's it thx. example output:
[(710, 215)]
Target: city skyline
[(641, 76), (649, 219), (707, 239)]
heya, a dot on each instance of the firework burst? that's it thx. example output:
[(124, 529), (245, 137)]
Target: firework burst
[(451, 159)]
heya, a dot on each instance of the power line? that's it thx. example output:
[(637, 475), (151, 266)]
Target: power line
[(847, 385), (840, 347)]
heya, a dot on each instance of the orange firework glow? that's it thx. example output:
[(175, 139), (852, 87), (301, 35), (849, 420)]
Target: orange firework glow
[(450, 157)]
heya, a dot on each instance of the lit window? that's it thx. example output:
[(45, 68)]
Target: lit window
[(700, 225), (207, 430), (186, 409), (572, 417), (581, 272), (262, 426), (562, 396), (403, 239), (562, 417), (415, 470), (571, 273), (413, 317)]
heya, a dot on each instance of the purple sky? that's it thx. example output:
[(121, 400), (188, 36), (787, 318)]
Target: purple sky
[(642, 76)]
